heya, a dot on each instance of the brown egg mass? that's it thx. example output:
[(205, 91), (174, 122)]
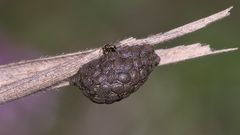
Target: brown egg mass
[(119, 72)]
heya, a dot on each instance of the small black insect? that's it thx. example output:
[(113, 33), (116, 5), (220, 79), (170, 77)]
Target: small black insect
[(119, 72), (108, 48)]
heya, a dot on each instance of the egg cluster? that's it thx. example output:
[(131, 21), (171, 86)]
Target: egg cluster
[(119, 72)]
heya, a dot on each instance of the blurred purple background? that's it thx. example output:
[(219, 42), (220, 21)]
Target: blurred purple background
[(36, 112), (199, 97)]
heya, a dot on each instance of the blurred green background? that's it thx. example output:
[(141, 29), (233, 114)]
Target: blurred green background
[(197, 97)]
